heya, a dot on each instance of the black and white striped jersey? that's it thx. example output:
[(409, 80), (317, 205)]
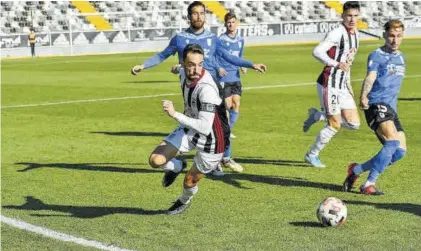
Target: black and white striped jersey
[(203, 95), (339, 45)]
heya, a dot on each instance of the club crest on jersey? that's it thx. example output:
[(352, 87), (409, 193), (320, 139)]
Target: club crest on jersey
[(393, 69), (209, 41), (239, 45), (187, 41)]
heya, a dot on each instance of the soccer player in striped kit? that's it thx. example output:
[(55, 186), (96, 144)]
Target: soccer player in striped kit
[(203, 126), (379, 97), (337, 51)]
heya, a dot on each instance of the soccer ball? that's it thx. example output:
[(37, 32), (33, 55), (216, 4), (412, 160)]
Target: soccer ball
[(332, 212)]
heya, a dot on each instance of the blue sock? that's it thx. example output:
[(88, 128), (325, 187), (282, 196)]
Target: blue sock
[(382, 159), (227, 153), (233, 117), (399, 154)]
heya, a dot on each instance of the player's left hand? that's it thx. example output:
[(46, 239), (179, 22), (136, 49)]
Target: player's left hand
[(222, 72), (244, 70), (168, 107), (260, 67)]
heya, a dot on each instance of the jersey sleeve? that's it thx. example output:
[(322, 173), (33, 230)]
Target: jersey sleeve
[(160, 57), (320, 51), (242, 48), (234, 60), (209, 95), (373, 62)]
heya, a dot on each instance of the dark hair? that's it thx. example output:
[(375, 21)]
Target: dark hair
[(192, 48), (351, 5), (229, 15), (393, 24), (194, 4)]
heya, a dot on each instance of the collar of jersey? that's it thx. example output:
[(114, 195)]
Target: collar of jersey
[(350, 31), (189, 34), (192, 85), (231, 39)]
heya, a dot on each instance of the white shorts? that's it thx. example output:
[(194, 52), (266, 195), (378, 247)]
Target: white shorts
[(205, 162), (333, 100)]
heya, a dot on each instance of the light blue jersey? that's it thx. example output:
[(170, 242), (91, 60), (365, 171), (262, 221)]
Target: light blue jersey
[(211, 44), (390, 68), (235, 46)]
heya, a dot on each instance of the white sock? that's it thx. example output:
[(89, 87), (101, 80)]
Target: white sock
[(325, 135), (174, 165), (188, 194), (320, 116), (368, 183)]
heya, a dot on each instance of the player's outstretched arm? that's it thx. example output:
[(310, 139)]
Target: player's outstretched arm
[(234, 60), (319, 52), (366, 88), (156, 59), (203, 124)]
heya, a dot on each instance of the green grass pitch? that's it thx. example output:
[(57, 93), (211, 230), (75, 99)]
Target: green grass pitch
[(80, 168)]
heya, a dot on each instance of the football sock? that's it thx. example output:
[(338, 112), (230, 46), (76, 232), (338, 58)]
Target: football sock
[(174, 165), (233, 117), (324, 136), (227, 153), (188, 194), (382, 159), (399, 154)]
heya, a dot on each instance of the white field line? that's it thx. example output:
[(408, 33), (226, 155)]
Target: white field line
[(57, 235), (33, 62), (166, 94)]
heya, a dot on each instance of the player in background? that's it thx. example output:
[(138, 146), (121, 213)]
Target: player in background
[(337, 52), (233, 43), (203, 126), (379, 97), (196, 33)]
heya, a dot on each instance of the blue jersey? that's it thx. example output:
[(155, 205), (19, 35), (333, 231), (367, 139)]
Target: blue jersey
[(211, 45), (390, 68), (235, 46)]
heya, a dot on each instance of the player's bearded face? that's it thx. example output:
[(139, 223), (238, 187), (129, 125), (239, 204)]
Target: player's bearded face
[(394, 38), (197, 18), (193, 66), (350, 18)]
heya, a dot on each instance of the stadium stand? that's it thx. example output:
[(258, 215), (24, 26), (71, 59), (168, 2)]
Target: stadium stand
[(45, 16)]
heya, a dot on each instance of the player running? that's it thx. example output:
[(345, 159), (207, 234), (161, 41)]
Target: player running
[(337, 51), (379, 97), (203, 126)]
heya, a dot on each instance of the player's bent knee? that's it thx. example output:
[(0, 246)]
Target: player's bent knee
[(157, 160)]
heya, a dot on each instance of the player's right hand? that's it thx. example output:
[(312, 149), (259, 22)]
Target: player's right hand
[(364, 103), (260, 67), (343, 66), (136, 69), (222, 72), (175, 69)]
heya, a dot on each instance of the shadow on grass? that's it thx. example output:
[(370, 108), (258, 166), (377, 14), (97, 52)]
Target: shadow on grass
[(258, 160), (100, 167), (87, 212), (313, 224), (409, 99), (137, 134), (234, 178), (403, 207)]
